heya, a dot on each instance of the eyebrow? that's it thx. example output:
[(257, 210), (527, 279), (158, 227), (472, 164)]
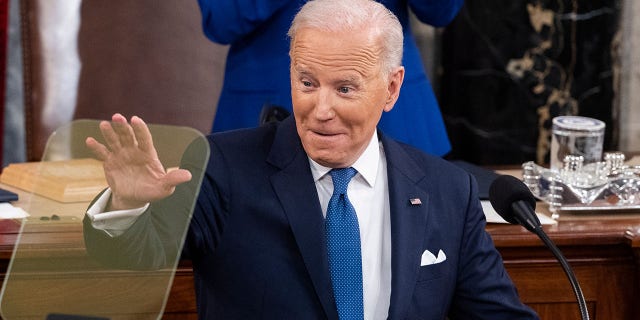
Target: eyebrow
[(302, 71), (349, 79), (352, 79)]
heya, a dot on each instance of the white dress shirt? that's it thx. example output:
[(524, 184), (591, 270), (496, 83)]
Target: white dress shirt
[(368, 193)]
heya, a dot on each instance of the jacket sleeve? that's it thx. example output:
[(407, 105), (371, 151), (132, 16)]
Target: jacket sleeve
[(437, 13), (226, 21), (484, 288), (211, 207)]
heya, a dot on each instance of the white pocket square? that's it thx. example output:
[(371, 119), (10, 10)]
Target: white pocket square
[(428, 258)]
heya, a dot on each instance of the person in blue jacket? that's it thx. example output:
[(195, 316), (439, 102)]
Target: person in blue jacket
[(256, 68)]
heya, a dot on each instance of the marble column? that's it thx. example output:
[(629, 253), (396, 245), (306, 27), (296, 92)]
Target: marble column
[(509, 67)]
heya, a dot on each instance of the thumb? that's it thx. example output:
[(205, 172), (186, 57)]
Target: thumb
[(177, 176)]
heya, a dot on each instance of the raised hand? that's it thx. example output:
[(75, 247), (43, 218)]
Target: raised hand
[(131, 165)]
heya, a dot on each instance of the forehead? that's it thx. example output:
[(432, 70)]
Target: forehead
[(357, 51)]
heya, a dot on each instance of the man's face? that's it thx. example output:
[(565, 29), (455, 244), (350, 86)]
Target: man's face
[(339, 93)]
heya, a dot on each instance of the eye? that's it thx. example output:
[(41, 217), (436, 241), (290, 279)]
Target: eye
[(344, 90), (306, 83)]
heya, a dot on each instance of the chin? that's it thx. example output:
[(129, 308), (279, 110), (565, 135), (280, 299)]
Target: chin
[(331, 161)]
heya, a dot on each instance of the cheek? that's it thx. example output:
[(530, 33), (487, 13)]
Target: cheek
[(364, 112), (301, 102), (360, 121)]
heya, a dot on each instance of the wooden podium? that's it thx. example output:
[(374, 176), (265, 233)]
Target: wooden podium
[(64, 236), (602, 249)]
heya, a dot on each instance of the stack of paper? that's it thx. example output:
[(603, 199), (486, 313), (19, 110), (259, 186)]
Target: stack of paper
[(77, 180)]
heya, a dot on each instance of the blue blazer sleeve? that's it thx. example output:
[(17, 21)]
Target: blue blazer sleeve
[(226, 21), (437, 13), (484, 289)]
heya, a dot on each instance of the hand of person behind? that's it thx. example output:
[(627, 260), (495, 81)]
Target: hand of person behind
[(131, 165)]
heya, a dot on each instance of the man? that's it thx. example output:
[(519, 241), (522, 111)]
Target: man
[(263, 236)]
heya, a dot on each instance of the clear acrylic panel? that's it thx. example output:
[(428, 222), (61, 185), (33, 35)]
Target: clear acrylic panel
[(51, 271)]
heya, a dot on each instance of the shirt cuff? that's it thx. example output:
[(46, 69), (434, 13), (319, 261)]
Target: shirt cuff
[(113, 223)]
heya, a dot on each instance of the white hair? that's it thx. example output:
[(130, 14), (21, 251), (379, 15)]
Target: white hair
[(354, 15)]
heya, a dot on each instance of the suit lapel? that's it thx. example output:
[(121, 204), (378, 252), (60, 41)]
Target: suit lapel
[(408, 225), (296, 190)]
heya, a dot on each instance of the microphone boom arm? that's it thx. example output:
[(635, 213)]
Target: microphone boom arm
[(567, 270), (514, 202)]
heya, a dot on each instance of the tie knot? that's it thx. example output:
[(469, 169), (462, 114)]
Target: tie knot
[(341, 178)]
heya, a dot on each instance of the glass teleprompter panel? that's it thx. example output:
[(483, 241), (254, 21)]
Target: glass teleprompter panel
[(61, 266)]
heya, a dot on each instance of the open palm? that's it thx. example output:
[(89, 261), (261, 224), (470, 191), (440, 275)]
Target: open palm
[(132, 168)]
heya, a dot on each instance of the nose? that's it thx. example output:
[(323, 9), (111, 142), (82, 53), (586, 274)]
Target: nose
[(325, 103)]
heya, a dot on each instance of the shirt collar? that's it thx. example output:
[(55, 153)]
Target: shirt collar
[(366, 164)]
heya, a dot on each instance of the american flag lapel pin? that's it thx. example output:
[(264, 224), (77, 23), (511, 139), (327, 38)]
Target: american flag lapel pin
[(415, 201)]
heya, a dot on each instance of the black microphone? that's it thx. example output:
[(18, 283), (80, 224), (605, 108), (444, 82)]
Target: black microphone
[(515, 203)]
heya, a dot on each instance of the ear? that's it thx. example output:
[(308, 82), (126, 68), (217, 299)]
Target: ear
[(396, 77)]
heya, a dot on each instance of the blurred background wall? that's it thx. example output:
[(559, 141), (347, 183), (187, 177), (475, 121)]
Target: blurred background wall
[(14, 133), (151, 58)]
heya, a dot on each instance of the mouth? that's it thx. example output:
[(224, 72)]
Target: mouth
[(324, 134)]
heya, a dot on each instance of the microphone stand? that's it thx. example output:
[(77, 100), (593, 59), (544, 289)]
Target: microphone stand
[(567, 270), (522, 213)]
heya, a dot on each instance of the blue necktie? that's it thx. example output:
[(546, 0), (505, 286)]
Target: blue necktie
[(343, 247)]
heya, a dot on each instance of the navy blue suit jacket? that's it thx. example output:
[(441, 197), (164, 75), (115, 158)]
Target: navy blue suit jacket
[(258, 246)]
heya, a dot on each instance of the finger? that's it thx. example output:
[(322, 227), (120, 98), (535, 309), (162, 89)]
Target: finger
[(98, 149), (123, 130), (176, 177), (118, 117), (143, 135), (110, 137)]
